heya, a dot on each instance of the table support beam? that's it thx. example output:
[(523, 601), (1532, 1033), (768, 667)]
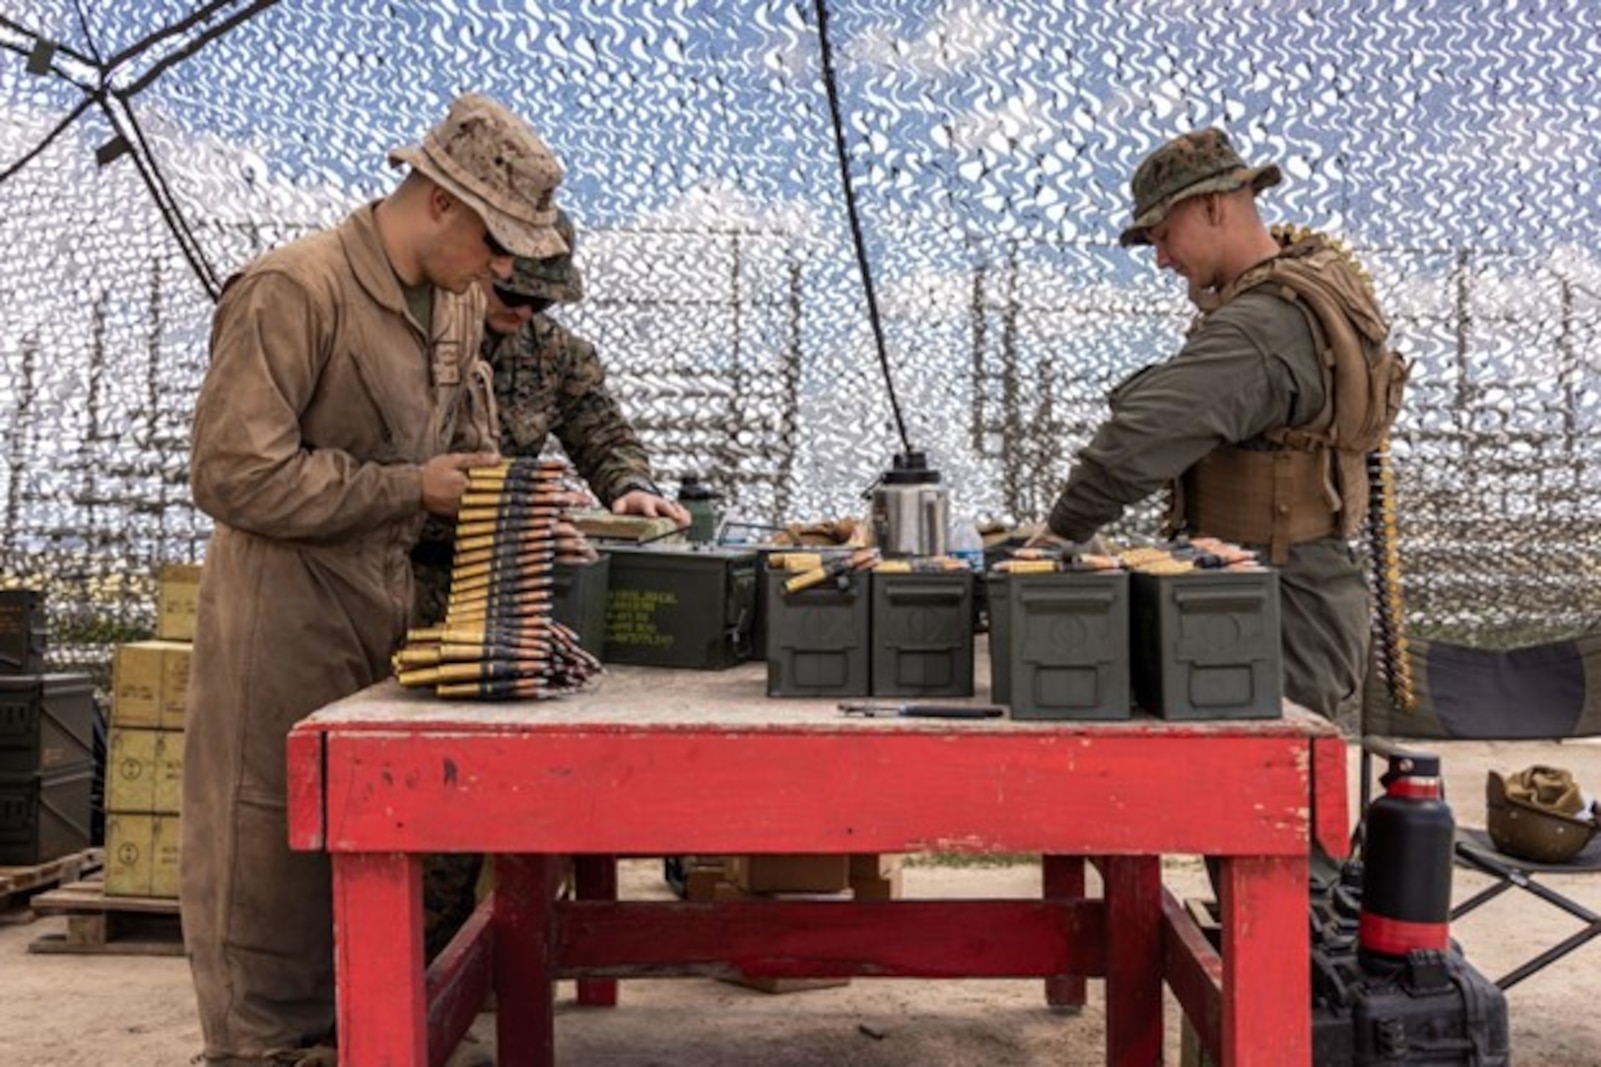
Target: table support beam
[(525, 1012), (378, 920), (1267, 991), (1063, 879), (831, 939), (595, 878), (1133, 959)]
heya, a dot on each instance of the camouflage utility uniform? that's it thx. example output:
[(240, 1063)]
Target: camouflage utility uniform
[(546, 380)]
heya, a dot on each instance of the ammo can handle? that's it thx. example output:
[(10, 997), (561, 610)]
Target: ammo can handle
[(1076, 600), (924, 591)]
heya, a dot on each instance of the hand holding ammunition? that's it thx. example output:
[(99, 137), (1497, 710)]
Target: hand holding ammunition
[(444, 479)]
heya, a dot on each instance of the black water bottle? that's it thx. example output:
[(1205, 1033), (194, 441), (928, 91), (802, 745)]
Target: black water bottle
[(1406, 863)]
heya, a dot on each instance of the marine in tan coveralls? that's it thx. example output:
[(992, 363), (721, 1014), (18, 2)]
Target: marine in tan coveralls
[(326, 429), (1238, 422)]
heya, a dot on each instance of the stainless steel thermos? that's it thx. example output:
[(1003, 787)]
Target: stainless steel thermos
[(911, 509)]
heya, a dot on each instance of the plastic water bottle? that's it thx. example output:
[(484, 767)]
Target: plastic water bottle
[(967, 545)]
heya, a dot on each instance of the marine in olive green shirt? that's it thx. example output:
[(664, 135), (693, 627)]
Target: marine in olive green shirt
[(1247, 368)]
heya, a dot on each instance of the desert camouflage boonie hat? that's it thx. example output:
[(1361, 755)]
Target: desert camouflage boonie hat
[(495, 163), (1198, 162), (554, 278), (1538, 814)]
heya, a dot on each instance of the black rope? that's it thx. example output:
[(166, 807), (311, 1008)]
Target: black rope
[(166, 203), (199, 42), (17, 27), (83, 106), (198, 16), (127, 125), (83, 24), (76, 83), (855, 220)]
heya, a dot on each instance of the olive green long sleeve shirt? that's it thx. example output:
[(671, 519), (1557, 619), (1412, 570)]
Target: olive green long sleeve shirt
[(1249, 367)]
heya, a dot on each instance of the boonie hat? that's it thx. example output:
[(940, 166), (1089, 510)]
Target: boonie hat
[(497, 165), (555, 278), (1538, 814), (1191, 164)]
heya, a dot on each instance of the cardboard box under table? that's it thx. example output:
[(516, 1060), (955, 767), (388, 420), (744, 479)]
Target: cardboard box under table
[(142, 850), (670, 762), (150, 684), (177, 591), (144, 771)]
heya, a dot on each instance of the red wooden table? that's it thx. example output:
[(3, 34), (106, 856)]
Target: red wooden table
[(661, 762)]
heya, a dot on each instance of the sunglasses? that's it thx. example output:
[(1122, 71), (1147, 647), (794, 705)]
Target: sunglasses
[(496, 249), (520, 300)]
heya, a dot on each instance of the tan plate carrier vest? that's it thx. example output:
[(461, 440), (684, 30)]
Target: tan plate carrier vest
[(1315, 484)]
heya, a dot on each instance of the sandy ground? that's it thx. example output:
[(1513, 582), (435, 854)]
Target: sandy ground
[(138, 1011)]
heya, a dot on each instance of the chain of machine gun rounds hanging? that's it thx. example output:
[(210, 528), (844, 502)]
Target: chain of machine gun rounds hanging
[(1389, 616)]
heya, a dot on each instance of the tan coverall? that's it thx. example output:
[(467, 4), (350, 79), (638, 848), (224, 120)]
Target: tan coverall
[(323, 399)]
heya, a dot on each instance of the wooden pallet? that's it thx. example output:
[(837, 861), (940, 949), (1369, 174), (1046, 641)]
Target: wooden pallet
[(98, 925), (19, 884)]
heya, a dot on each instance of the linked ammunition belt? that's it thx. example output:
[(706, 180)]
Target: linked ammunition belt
[(1389, 616), (498, 641)]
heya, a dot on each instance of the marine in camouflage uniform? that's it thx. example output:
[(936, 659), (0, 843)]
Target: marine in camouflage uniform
[(1249, 371), (546, 380)]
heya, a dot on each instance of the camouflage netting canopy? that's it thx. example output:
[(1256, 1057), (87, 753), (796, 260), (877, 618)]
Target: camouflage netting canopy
[(152, 148)]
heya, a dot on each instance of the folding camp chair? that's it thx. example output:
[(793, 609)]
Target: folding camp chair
[(1542, 692)]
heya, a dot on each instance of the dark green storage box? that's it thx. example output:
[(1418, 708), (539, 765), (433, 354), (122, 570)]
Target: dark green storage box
[(818, 639), (578, 600), (764, 552), (922, 627), (45, 816), (46, 721), (22, 631), (680, 606), (1059, 644), (1206, 644)]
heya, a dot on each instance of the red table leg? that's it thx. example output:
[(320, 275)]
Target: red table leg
[(382, 998), (1267, 985), (1133, 960), (595, 878), (525, 1019), (1064, 880)]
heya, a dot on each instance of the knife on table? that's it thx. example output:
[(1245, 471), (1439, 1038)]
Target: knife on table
[(923, 711)]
